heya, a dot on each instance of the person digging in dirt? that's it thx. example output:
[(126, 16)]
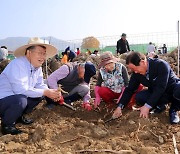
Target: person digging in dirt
[(112, 79), (74, 79), (22, 86), (162, 83)]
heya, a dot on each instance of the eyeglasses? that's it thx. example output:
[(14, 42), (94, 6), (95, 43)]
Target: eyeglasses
[(41, 54)]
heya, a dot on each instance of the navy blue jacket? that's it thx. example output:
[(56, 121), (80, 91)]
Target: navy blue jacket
[(162, 80)]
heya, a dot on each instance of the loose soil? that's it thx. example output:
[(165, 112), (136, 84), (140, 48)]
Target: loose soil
[(63, 131)]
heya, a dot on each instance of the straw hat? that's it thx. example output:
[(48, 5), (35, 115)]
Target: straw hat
[(106, 58), (50, 49)]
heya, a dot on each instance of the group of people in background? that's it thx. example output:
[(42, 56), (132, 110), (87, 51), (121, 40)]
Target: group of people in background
[(152, 84), (123, 47), (151, 50), (68, 55)]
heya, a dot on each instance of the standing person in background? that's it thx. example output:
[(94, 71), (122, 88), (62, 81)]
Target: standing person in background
[(22, 86), (164, 49), (3, 53), (122, 45), (78, 51), (151, 50)]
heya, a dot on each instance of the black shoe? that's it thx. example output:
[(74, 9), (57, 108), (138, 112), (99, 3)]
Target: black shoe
[(158, 109), (24, 121), (10, 130), (72, 98), (68, 101), (174, 117)]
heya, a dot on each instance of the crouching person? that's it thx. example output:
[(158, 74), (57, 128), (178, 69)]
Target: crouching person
[(74, 79), (112, 79), (22, 86), (162, 84)]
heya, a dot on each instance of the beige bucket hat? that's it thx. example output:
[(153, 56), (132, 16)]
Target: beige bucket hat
[(50, 49), (106, 58)]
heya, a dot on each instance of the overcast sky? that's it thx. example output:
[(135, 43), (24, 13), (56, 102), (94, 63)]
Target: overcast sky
[(76, 19)]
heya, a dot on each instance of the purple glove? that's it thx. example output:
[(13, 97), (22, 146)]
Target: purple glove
[(98, 98), (87, 106)]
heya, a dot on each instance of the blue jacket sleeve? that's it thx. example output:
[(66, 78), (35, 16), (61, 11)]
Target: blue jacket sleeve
[(130, 90)]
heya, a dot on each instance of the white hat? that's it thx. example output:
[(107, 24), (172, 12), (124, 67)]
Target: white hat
[(50, 49)]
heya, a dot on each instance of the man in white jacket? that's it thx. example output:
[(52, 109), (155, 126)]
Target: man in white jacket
[(22, 87)]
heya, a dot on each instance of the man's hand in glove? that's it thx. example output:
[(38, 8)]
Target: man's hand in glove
[(87, 106)]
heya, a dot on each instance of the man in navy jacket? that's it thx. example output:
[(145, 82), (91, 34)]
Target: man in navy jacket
[(162, 84)]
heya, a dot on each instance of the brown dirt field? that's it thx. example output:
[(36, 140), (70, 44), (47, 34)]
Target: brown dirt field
[(63, 131)]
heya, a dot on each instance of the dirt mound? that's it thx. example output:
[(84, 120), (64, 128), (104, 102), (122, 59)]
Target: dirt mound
[(172, 59)]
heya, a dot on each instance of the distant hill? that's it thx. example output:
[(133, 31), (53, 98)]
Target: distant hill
[(14, 42)]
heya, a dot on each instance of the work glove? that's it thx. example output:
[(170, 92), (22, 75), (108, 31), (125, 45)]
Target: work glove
[(86, 106), (122, 91), (98, 98), (61, 101)]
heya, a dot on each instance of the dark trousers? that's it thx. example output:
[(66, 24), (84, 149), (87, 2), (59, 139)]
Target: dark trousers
[(176, 93), (176, 98), (69, 99), (14, 106), (50, 101), (143, 96)]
